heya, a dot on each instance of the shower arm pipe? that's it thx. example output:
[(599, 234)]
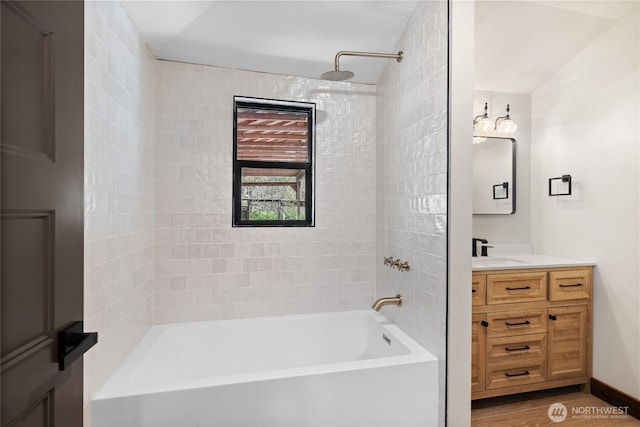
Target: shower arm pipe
[(397, 56)]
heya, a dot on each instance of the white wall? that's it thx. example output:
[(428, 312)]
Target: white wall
[(514, 228), (412, 181), (204, 268), (585, 123), (461, 54), (119, 188)]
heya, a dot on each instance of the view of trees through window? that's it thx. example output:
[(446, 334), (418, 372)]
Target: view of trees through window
[(273, 198)]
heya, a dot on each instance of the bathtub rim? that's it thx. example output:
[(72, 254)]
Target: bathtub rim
[(117, 385)]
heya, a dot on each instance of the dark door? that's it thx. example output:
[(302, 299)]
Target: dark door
[(41, 132)]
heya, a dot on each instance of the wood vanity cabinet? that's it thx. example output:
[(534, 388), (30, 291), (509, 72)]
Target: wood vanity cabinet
[(531, 329), (478, 351)]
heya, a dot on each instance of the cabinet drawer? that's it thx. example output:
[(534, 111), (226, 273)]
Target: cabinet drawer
[(521, 348), (516, 287), (479, 290), (570, 284), (510, 323), (500, 376)]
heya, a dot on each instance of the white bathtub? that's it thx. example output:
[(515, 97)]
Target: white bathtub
[(349, 369)]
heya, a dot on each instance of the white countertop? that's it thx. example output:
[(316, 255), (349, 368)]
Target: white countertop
[(517, 261)]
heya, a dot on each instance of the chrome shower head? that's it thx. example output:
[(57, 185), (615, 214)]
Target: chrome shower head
[(338, 75)]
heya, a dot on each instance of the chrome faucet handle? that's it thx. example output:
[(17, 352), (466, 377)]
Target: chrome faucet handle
[(405, 266), (388, 260)]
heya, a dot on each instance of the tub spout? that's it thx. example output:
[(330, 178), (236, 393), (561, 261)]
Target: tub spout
[(397, 300)]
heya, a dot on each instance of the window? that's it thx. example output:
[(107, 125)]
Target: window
[(273, 162)]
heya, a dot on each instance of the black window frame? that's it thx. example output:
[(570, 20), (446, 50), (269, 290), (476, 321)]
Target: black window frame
[(243, 102)]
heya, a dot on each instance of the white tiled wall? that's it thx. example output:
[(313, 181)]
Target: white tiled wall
[(159, 242), (412, 181), (119, 187), (204, 268)]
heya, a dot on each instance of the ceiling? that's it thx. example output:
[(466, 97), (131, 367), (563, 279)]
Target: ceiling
[(299, 38), (520, 44)]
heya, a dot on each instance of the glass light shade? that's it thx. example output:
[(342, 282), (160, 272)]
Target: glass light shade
[(507, 126), (479, 139), (483, 124)]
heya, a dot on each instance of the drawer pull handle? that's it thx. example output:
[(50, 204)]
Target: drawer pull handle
[(552, 317), (517, 374), (526, 347), (571, 286), (484, 323), (473, 291), (526, 322), (518, 289)]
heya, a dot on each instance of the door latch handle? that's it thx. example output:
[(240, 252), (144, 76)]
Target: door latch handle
[(73, 343)]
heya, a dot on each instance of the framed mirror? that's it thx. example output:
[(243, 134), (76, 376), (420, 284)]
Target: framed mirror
[(494, 177)]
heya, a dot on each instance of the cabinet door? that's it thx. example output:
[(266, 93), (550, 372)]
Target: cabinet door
[(567, 342), (478, 351), (479, 289)]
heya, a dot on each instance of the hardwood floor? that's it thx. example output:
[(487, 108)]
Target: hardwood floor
[(531, 410)]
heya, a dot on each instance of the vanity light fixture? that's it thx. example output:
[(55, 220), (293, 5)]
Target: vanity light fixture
[(483, 123), (505, 124)]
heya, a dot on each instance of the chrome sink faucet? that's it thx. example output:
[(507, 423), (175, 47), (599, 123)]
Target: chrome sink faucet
[(483, 247)]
